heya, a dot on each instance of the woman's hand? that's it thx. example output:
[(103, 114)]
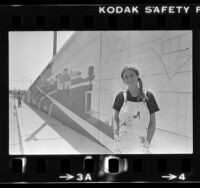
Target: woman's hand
[(116, 136), (146, 145), (116, 125), (142, 139)]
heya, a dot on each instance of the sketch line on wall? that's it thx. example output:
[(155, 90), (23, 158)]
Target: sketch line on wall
[(50, 109), (176, 51), (134, 46), (162, 62), (40, 101), (177, 72)]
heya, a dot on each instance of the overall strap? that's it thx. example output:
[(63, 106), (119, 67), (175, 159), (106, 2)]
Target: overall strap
[(145, 91), (125, 95)]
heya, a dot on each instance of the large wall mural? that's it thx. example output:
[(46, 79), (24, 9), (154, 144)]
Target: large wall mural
[(79, 85)]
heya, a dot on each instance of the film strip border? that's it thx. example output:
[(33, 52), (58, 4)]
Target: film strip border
[(89, 18), (92, 168), (99, 169)]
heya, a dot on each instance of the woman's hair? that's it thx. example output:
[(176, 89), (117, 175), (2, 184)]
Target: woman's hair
[(142, 96), (129, 67)]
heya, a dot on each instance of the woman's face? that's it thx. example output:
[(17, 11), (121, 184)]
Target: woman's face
[(130, 77)]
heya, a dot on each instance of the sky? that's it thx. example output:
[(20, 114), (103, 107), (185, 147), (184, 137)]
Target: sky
[(29, 54)]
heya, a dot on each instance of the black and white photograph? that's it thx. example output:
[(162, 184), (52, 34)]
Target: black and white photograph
[(100, 92)]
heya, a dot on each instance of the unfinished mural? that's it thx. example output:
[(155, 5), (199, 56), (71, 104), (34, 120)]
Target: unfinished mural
[(79, 85)]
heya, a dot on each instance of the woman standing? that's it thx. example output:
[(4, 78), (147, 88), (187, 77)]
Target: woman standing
[(134, 114)]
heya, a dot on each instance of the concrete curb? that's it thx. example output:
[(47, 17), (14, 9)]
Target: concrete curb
[(24, 144)]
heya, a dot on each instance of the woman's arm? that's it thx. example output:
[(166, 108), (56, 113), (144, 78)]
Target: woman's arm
[(116, 119), (151, 128)]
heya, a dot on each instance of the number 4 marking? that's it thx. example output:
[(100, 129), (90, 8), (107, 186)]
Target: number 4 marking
[(182, 177)]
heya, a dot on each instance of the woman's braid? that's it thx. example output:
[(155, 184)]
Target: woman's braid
[(142, 95)]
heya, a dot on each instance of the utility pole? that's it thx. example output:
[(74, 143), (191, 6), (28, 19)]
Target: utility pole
[(54, 43)]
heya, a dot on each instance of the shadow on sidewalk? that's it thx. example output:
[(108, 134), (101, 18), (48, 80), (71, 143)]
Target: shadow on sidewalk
[(82, 144), (32, 136)]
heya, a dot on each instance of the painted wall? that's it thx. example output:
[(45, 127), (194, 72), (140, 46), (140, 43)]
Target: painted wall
[(84, 78)]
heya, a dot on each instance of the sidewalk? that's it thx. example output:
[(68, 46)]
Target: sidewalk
[(42, 134), (14, 141)]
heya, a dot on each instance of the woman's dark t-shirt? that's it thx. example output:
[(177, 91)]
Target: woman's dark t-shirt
[(151, 102)]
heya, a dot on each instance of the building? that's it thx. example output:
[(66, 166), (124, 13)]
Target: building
[(95, 59)]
